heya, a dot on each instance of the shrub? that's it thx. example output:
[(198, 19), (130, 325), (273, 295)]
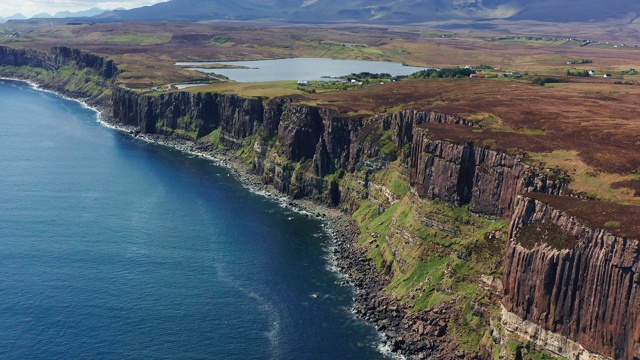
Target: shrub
[(612, 224)]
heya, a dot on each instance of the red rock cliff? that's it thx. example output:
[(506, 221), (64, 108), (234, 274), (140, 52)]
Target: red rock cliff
[(488, 181), (573, 279)]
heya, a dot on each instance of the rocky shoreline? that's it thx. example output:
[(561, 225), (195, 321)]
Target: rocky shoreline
[(420, 335)]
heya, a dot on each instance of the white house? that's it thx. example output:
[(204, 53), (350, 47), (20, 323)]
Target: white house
[(607, 76), (592, 73), (303, 83)]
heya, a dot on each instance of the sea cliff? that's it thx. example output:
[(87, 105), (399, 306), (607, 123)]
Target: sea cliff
[(428, 245), (573, 280)]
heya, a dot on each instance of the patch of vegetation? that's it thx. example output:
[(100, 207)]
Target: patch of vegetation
[(456, 72), (387, 146), (433, 253), (368, 78), (581, 61), (307, 90), (586, 179), (612, 224), (143, 39), (336, 176), (399, 187), (548, 80), (528, 351), (246, 153), (213, 138), (580, 73), (219, 39), (545, 233), (83, 83)]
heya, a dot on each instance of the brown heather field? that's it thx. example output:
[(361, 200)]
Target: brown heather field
[(621, 220), (602, 125)]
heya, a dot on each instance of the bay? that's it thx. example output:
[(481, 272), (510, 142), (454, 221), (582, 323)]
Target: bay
[(112, 248)]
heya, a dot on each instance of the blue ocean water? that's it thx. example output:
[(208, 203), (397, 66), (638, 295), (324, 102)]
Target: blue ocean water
[(111, 248)]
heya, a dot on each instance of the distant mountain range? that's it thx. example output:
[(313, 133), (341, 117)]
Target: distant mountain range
[(381, 11), (13, 17), (58, 15)]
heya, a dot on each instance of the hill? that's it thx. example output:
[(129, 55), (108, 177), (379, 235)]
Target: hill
[(381, 11)]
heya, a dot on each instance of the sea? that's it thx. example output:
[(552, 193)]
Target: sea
[(113, 248)]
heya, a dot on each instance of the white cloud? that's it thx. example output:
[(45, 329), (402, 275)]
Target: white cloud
[(29, 8)]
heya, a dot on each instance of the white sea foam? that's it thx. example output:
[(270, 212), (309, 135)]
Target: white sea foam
[(385, 349)]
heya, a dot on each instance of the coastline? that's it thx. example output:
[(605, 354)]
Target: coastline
[(401, 332)]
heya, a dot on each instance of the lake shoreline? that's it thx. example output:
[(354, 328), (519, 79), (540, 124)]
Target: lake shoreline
[(297, 69)]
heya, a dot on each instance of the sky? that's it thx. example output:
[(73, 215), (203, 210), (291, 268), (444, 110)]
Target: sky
[(29, 8)]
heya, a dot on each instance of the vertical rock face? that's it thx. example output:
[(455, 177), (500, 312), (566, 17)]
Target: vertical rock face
[(58, 57), (579, 282), (82, 59), (486, 180), (404, 122), (239, 118), (585, 291), (22, 57), (193, 113), (299, 132)]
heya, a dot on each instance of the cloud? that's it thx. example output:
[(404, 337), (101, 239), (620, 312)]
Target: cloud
[(29, 8)]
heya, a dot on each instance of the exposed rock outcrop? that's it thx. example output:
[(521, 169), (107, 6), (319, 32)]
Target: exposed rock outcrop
[(574, 280), (57, 58), (461, 174), (189, 114), (546, 339), (458, 174)]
